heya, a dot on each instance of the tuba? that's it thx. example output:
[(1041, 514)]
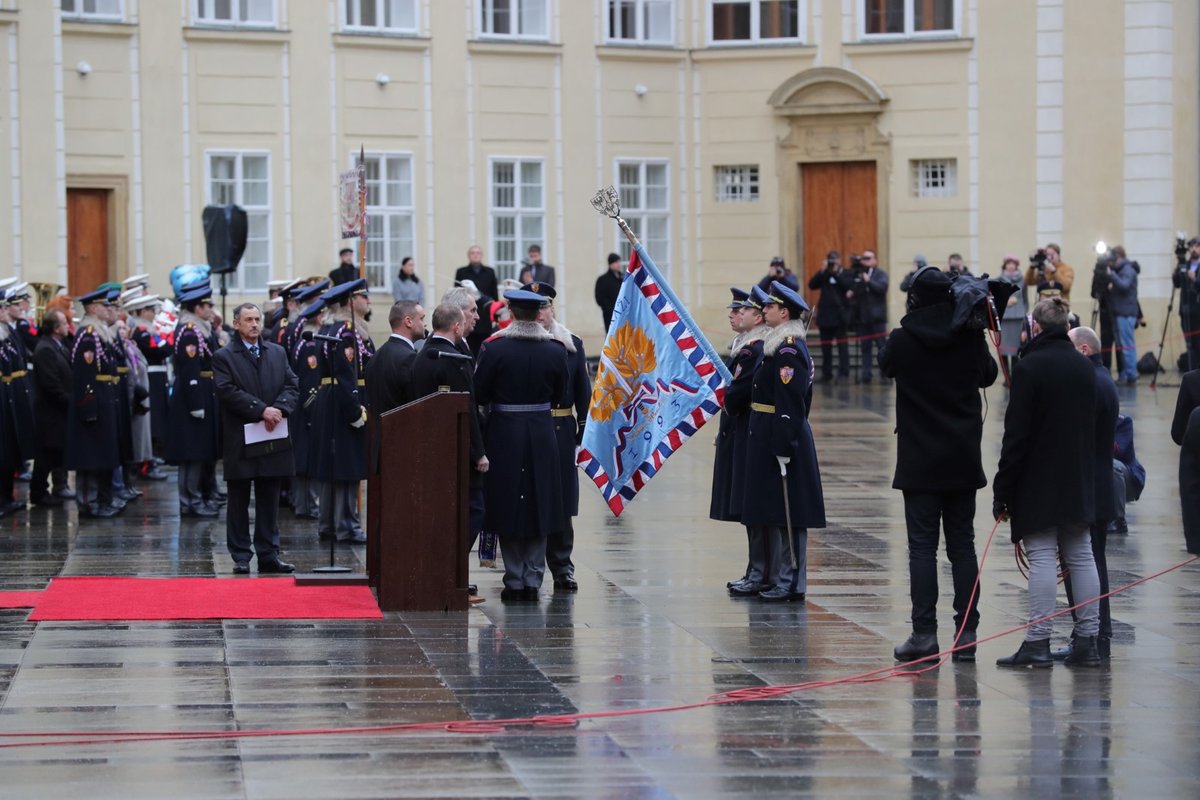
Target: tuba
[(42, 294)]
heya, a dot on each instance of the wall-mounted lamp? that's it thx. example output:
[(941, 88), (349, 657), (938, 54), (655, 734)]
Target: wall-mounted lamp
[(640, 90), (83, 68), (382, 79)]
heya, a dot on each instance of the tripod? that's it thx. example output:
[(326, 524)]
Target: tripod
[(1163, 339)]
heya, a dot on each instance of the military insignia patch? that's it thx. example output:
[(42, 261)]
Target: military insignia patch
[(533, 287), (785, 375), (312, 362), (349, 351), (190, 349), (89, 356)]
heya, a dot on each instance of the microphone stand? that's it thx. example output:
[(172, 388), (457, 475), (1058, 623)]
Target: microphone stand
[(333, 568)]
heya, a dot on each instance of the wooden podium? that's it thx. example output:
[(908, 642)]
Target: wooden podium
[(417, 506)]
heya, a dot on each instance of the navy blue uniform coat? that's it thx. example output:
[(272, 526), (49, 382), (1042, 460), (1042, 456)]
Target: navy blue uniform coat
[(568, 430), (190, 438), (728, 483), (337, 450), (92, 437)]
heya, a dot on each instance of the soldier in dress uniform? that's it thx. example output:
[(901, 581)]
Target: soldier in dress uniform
[(277, 323), (123, 488), (93, 435), (746, 318), (522, 373), (157, 351), (193, 439), (780, 441), (21, 390), (305, 491), (338, 451), (569, 413), (14, 442), (303, 297)]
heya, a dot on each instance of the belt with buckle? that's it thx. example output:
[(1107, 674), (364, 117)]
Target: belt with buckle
[(108, 378), (763, 407), (207, 373), (335, 381), (520, 408), (562, 412)]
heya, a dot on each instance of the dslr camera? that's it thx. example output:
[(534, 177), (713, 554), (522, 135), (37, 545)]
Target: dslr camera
[(1038, 260), (856, 263)]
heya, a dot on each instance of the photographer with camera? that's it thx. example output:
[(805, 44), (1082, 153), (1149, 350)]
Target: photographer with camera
[(778, 271), (833, 314), (1185, 280), (1048, 270), (868, 293), (1122, 296), (939, 371), (955, 266)]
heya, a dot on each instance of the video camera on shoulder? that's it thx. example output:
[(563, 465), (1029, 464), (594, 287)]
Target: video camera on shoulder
[(1181, 247)]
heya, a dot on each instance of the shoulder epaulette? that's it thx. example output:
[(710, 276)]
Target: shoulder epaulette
[(191, 324), (790, 340), (90, 329)]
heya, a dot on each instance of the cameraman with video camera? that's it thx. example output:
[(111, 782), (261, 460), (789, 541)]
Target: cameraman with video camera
[(1122, 298), (833, 314), (1047, 267), (1186, 281)]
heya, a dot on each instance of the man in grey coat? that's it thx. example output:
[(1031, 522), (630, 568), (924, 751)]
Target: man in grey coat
[(254, 383)]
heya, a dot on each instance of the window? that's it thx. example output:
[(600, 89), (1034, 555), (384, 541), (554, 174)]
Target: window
[(645, 194), (640, 21), (898, 18), (259, 13), (381, 15), (737, 184), (518, 212), (935, 178), (244, 179), (516, 19), (99, 10), (755, 20), (390, 215)]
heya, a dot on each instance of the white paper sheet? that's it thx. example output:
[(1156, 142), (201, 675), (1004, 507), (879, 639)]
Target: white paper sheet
[(256, 432)]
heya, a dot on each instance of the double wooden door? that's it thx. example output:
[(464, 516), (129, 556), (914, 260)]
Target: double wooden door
[(840, 213), (87, 239)]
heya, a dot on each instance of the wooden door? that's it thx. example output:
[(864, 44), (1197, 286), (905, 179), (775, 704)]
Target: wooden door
[(840, 213), (87, 239)]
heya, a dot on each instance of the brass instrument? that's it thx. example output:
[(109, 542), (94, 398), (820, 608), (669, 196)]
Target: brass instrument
[(41, 294)]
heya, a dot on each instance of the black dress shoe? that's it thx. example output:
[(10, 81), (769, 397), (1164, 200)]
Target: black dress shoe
[(781, 594), (63, 493), (472, 589), (743, 579), (357, 538), (274, 566), (530, 594), (916, 647), (241, 568), (99, 510), (48, 501), (199, 511), (1030, 654), (566, 583), (748, 589), (966, 655), (512, 595), (1084, 653)]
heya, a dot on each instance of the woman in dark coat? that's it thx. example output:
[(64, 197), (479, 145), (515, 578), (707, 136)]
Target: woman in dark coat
[(1185, 430)]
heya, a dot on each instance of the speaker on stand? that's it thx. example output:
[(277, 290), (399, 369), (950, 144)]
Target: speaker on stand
[(225, 231)]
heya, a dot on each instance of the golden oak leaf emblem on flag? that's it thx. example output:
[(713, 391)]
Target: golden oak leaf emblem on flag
[(627, 356)]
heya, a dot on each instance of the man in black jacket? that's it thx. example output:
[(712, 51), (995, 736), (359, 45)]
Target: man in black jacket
[(939, 427), (484, 279), (52, 379), (346, 270), (1045, 484), (870, 295), (254, 384), (833, 314), (608, 288)]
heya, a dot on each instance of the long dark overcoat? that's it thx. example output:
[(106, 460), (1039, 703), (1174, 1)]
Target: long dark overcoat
[(52, 376), (306, 363), (567, 427), (93, 441), (522, 365), (338, 450), (389, 385), (780, 400), (188, 437), (245, 387), (1108, 406), (728, 482)]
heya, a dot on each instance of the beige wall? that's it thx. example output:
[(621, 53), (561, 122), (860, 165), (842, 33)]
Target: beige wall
[(163, 91)]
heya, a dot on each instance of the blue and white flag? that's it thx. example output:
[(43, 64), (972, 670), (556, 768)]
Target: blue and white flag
[(659, 381)]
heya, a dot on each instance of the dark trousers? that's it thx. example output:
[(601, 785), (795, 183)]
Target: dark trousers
[(870, 332), (1108, 338), (7, 490), (922, 513), (1189, 322), (266, 518), (828, 336), (559, 546), (190, 478), (1099, 541), (524, 561), (476, 514), (93, 488), (47, 461)]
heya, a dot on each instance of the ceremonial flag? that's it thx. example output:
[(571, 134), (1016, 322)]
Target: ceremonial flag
[(659, 381)]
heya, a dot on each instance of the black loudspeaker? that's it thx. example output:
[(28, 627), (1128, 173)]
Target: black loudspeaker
[(224, 237)]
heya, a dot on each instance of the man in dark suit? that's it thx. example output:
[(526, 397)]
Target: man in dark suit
[(254, 384), (869, 292), (484, 279), (52, 379), (833, 314), (389, 373), (346, 270), (537, 271)]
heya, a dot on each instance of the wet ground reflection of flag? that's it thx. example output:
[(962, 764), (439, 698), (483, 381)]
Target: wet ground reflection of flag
[(659, 381)]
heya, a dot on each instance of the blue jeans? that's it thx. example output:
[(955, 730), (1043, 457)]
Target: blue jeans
[(1125, 329)]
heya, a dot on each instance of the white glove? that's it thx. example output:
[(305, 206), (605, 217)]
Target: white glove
[(198, 414), (362, 420), (783, 462)]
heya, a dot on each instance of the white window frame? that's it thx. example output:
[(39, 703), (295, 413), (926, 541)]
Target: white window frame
[(239, 283), (953, 32), (636, 216), (756, 39), (639, 37), (399, 210), (748, 186), (483, 6), (212, 22), (917, 176), (347, 25), (79, 15), (518, 212)]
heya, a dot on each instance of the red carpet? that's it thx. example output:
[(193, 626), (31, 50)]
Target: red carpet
[(20, 599), (119, 599)]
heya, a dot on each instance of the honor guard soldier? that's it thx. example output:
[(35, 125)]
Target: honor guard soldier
[(305, 363), (93, 436), (19, 320), (16, 430), (338, 452), (296, 322), (783, 480), (193, 441), (521, 373), (569, 413), (123, 488), (16, 305), (746, 319), (289, 307), (157, 351)]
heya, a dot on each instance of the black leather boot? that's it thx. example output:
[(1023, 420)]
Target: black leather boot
[(967, 654), (917, 646), (1030, 654), (1084, 653), (1064, 653)]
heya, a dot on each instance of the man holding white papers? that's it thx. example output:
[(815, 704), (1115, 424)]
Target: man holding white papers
[(257, 391)]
